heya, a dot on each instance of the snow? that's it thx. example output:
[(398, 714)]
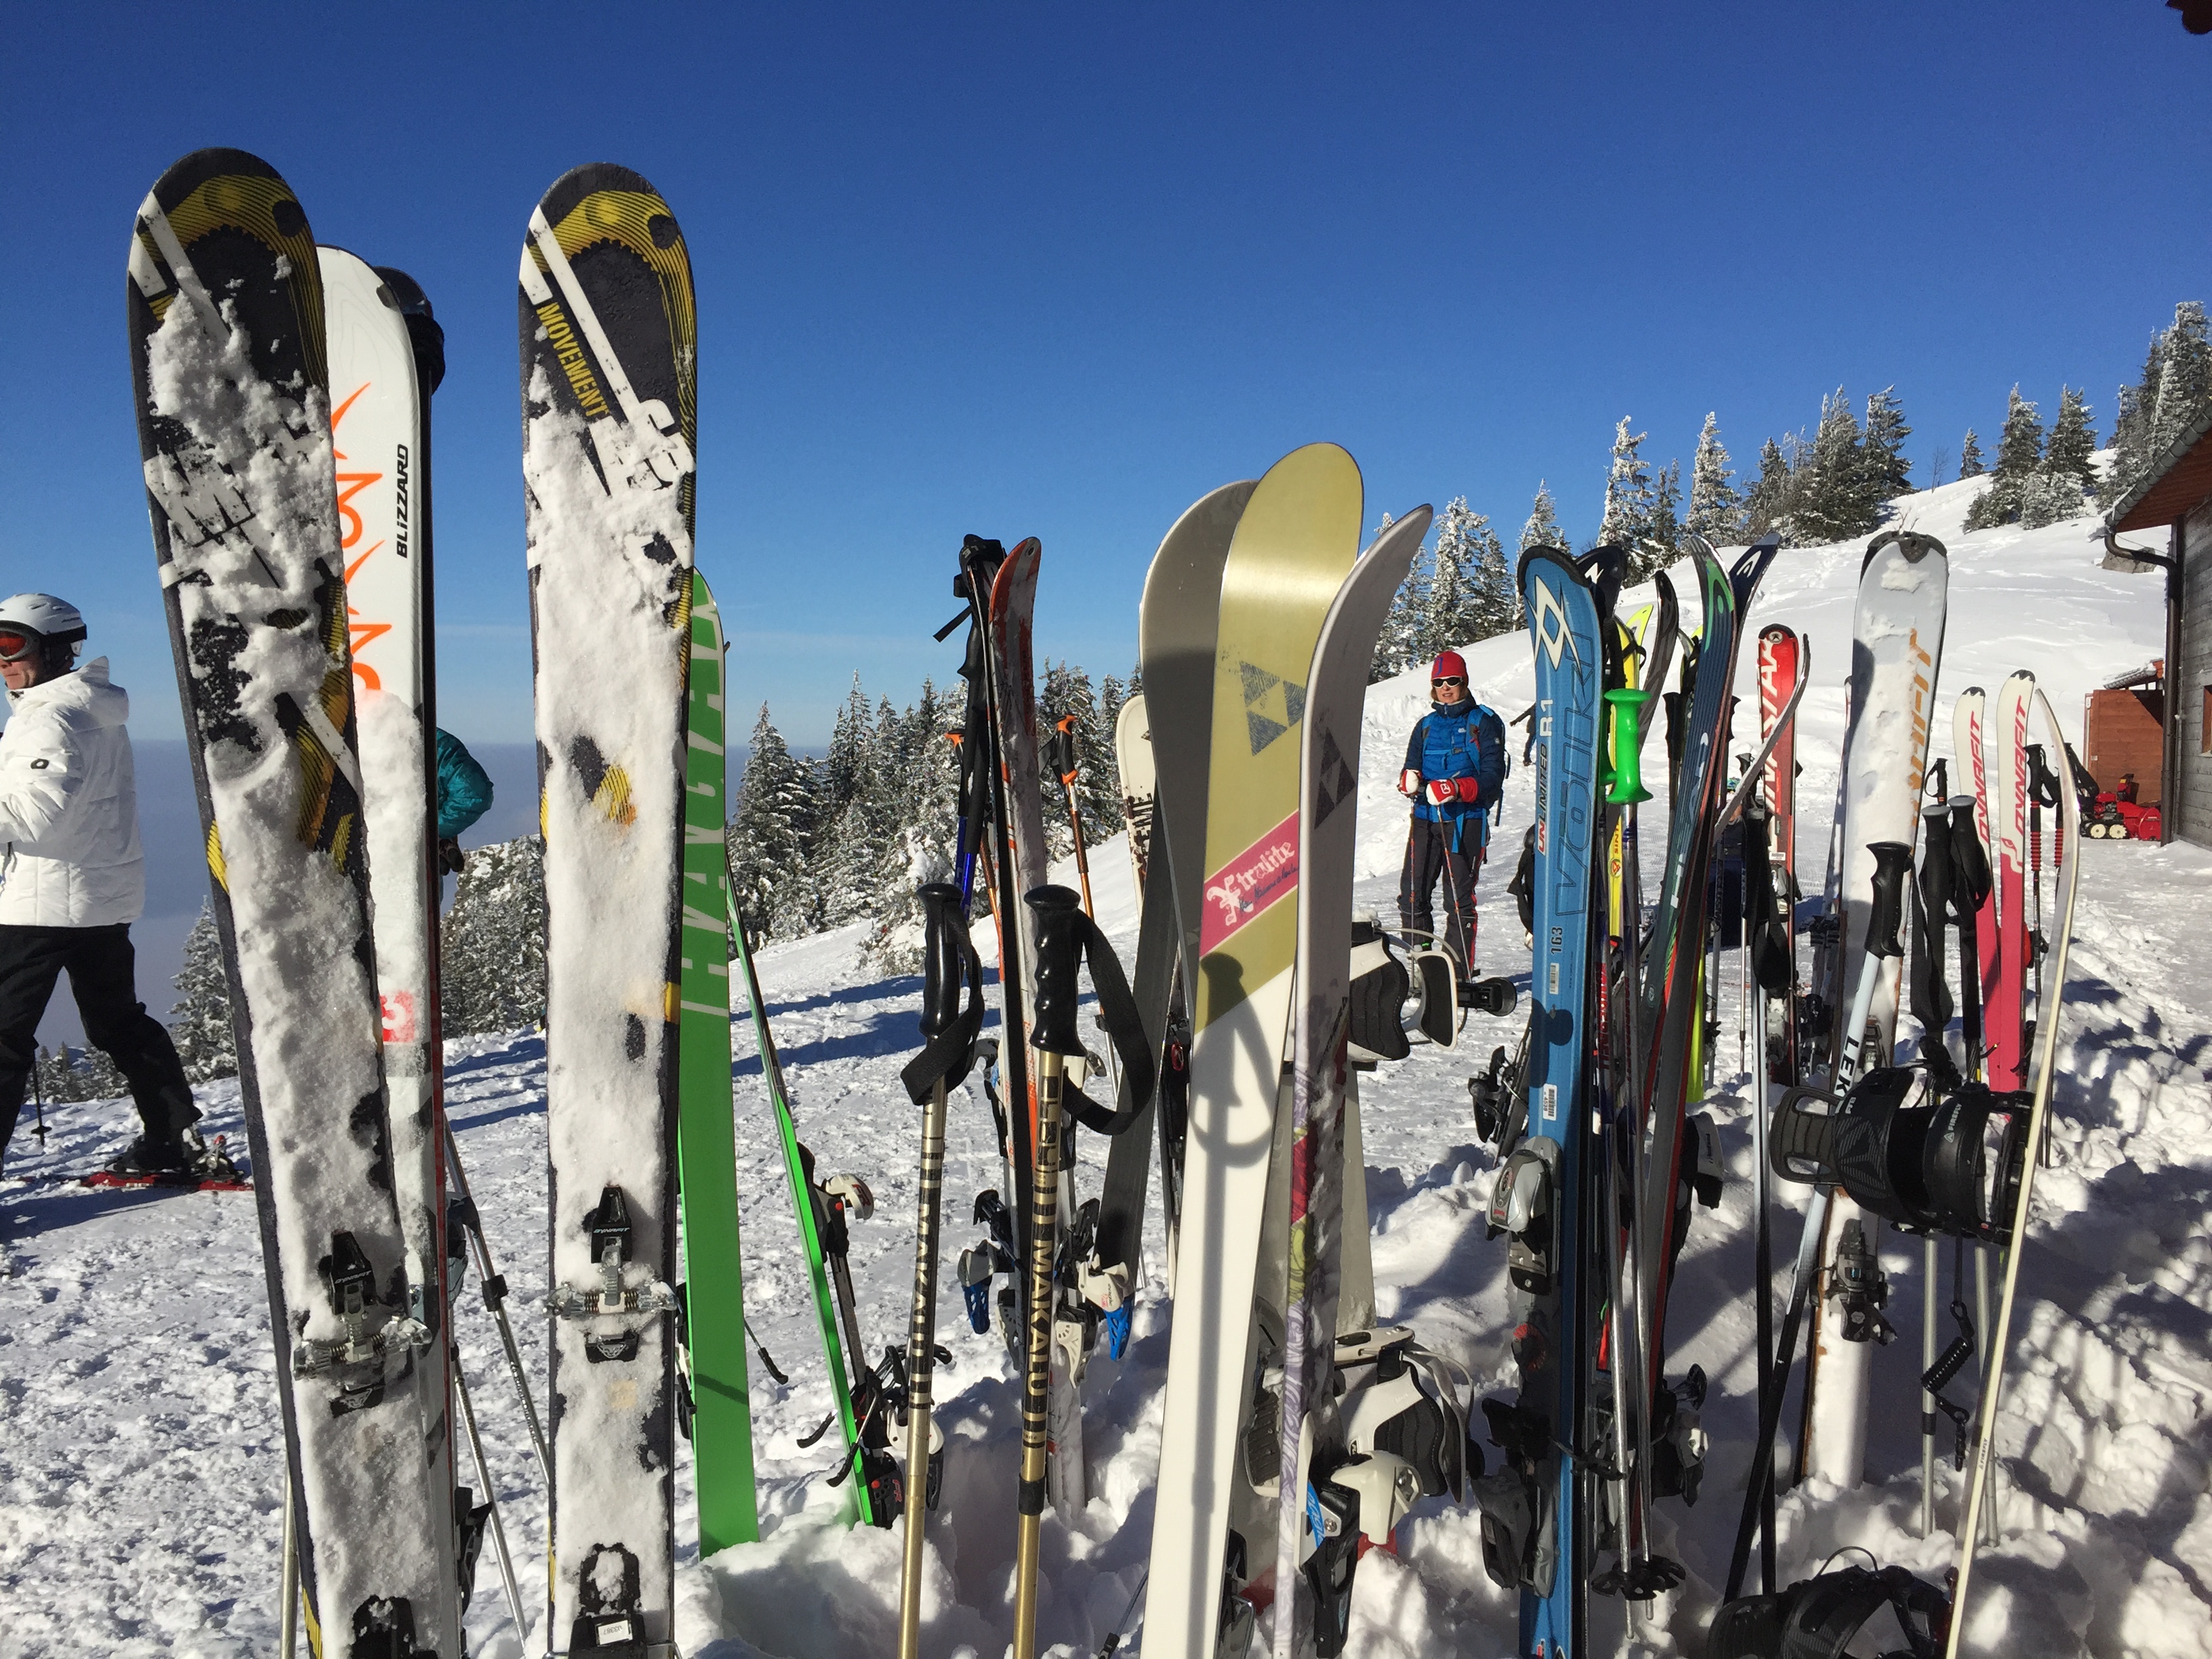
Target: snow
[(141, 1473)]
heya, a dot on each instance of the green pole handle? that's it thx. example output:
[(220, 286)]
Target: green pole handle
[(1623, 784)]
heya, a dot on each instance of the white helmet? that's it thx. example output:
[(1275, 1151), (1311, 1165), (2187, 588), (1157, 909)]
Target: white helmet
[(42, 613), (56, 627)]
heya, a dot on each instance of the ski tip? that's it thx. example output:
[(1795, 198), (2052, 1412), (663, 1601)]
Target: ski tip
[(573, 188)]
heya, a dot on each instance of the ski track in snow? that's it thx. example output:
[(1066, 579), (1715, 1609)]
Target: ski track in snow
[(140, 1469)]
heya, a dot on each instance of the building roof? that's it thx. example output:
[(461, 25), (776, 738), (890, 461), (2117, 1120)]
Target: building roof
[(2175, 482)]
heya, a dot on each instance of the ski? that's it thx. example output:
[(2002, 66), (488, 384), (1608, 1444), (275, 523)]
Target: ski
[(1317, 1469), (713, 1334), (1535, 1514), (1981, 1482), (2005, 995), (609, 400), (1896, 632), (1294, 542), (232, 384), (1781, 680)]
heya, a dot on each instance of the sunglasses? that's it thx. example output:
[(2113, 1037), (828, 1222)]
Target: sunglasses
[(1449, 679), (16, 645)]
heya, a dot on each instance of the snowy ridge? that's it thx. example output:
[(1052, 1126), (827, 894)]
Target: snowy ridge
[(153, 1389)]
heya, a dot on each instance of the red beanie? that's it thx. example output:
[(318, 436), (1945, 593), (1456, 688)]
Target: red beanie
[(1450, 662)]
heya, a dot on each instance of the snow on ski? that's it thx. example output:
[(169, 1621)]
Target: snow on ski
[(1310, 1435), (608, 401), (227, 347), (1294, 542)]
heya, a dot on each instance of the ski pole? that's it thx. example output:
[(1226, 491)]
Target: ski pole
[(1970, 865), (38, 1099), (948, 964), (463, 1210), (491, 1498), (1892, 859), (1065, 763), (1054, 1036)]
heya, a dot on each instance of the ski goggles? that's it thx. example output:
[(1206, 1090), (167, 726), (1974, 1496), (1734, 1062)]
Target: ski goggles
[(17, 643), (1449, 679)]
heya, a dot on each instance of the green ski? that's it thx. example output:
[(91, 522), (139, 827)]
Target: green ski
[(714, 1280), (809, 1234)]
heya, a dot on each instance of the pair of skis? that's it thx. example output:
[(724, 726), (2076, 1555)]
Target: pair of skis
[(308, 761), (1257, 625)]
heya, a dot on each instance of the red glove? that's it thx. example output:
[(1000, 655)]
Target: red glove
[(1470, 790), (1441, 790), (1409, 782)]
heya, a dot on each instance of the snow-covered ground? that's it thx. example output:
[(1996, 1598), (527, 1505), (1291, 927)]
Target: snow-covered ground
[(140, 1473)]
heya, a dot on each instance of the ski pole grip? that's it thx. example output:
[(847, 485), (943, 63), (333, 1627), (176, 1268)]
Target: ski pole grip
[(1058, 911), (1623, 785), (941, 963), (1892, 859), (1970, 859), (1939, 874)]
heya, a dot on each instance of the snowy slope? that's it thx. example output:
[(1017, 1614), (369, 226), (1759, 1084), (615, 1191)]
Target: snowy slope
[(139, 1478)]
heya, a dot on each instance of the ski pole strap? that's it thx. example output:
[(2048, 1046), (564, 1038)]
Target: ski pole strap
[(1064, 935), (948, 1025)]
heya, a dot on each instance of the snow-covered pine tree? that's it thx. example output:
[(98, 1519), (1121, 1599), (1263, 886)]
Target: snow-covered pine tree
[(1496, 596), (2072, 448), (1542, 529), (2048, 496), (1448, 619), (2020, 451), (1884, 473), (1970, 456), (199, 1023), (923, 842), (1716, 508), (1766, 506), (1627, 491), (491, 945), (769, 840), (1066, 692), (2185, 381), (67, 1074), (1399, 645), (1831, 504), (1660, 544)]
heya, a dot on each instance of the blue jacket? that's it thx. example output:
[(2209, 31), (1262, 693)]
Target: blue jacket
[(1459, 741), (463, 791)]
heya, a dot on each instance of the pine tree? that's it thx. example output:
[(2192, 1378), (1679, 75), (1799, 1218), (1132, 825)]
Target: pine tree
[(1660, 543), (1767, 506), (923, 845), (1716, 508), (1828, 484), (2184, 382), (1399, 645), (2048, 496), (1627, 491), (491, 945), (199, 1023), (1542, 529), (1884, 473), (1067, 694), (769, 839), (2020, 451), (2071, 451), (1456, 607), (1498, 597), (1970, 456)]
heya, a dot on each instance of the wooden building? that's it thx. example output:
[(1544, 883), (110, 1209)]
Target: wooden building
[(2176, 494)]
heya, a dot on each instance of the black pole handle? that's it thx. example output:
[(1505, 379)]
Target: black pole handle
[(1938, 868), (1059, 749), (1059, 949), (1892, 859), (942, 964), (1970, 859)]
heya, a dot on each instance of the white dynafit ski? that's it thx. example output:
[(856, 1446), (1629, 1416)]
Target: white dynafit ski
[(229, 365), (608, 397), (1294, 543), (1896, 632)]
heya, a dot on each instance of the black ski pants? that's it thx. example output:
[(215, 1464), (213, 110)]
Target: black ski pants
[(101, 971), (1431, 856)]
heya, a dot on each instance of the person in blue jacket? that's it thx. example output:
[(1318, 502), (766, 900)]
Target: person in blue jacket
[(1454, 771), (464, 796)]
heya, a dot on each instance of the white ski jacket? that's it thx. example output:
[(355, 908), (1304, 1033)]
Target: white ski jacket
[(69, 806)]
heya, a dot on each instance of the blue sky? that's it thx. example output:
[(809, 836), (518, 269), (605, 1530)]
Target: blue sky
[(1059, 270)]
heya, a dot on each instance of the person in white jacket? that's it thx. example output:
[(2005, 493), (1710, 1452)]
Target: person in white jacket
[(73, 880)]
